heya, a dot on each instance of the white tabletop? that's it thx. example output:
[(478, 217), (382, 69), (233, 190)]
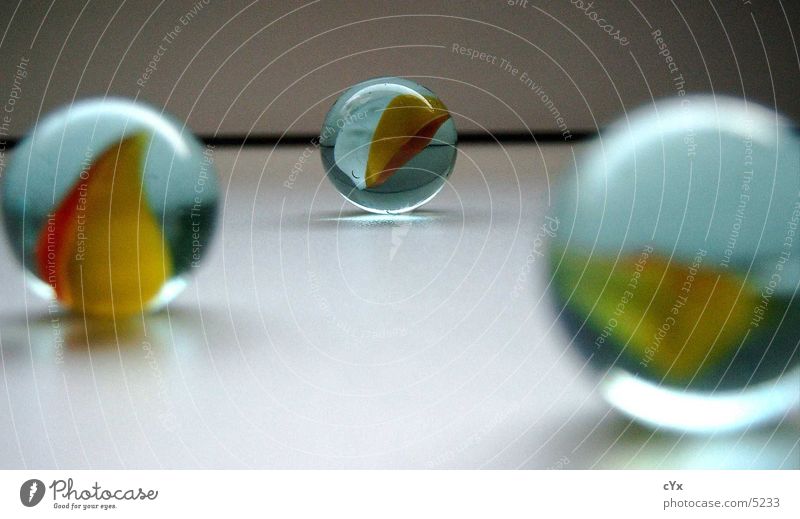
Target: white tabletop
[(318, 336)]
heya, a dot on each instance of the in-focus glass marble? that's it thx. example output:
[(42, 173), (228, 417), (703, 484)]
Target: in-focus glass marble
[(388, 145), (109, 204), (677, 262)]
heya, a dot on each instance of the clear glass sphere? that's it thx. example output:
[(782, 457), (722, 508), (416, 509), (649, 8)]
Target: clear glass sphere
[(108, 205), (388, 145), (677, 262)]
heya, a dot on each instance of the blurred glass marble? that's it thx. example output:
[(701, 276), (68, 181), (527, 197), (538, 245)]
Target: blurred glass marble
[(677, 262), (108, 204), (388, 145)]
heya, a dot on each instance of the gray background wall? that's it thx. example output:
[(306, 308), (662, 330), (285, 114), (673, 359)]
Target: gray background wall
[(265, 68)]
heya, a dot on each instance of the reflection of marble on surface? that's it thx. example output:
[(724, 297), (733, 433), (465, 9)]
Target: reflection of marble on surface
[(319, 336)]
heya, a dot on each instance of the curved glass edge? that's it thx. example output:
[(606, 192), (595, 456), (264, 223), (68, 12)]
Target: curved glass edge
[(669, 408)]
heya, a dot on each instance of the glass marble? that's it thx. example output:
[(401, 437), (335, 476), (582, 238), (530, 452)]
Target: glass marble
[(109, 205), (388, 145), (677, 262)]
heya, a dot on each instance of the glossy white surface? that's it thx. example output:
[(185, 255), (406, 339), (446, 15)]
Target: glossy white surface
[(318, 336)]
